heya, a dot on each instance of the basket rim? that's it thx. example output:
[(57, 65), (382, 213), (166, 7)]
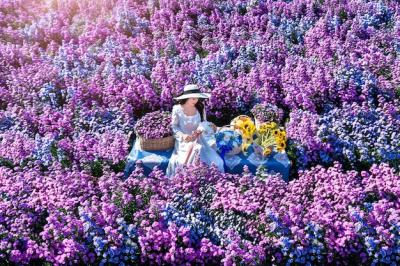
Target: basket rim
[(167, 137)]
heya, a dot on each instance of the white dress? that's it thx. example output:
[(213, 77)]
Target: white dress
[(183, 125)]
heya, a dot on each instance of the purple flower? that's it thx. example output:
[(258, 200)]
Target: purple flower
[(154, 125)]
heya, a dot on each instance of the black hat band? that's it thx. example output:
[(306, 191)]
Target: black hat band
[(191, 91)]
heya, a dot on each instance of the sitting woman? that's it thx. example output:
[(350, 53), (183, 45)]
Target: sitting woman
[(190, 143)]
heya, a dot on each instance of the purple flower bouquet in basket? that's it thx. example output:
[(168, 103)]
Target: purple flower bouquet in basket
[(154, 131), (266, 112)]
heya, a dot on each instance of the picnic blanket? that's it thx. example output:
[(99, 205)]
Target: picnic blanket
[(276, 162)]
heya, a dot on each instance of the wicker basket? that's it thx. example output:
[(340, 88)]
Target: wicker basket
[(156, 144)]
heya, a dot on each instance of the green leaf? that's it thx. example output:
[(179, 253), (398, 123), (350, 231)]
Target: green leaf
[(7, 163), (398, 92), (118, 167), (343, 14), (202, 53), (386, 72), (96, 168), (53, 150)]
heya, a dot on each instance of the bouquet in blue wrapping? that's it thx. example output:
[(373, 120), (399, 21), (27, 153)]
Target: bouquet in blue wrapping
[(228, 142)]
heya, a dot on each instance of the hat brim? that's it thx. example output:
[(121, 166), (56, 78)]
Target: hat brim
[(193, 95)]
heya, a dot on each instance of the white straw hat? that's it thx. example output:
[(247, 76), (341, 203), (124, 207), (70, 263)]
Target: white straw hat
[(192, 91)]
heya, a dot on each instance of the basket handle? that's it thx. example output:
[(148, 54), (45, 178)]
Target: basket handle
[(219, 129)]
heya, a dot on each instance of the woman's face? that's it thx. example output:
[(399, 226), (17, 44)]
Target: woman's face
[(193, 101)]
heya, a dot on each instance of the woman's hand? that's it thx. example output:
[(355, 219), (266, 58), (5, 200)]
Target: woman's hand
[(194, 136), (188, 138), (214, 127), (197, 132)]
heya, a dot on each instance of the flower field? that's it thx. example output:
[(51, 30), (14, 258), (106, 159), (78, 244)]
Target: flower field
[(76, 76)]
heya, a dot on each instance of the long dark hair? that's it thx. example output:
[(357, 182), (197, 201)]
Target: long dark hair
[(199, 106)]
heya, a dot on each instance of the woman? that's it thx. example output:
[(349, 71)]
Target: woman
[(190, 144)]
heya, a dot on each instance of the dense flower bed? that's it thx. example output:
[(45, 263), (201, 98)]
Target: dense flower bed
[(200, 215), (76, 76), (356, 135)]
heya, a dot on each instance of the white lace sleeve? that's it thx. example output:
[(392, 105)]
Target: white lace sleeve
[(177, 132)]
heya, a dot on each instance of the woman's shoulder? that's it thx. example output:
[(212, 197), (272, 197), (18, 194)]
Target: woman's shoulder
[(176, 108)]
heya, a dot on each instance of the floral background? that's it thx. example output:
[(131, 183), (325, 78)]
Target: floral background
[(75, 76)]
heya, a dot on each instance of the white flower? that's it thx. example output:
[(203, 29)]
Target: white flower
[(221, 143), (227, 138)]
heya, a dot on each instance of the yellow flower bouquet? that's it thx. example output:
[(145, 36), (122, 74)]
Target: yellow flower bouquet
[(269, 136), (245, 126)]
